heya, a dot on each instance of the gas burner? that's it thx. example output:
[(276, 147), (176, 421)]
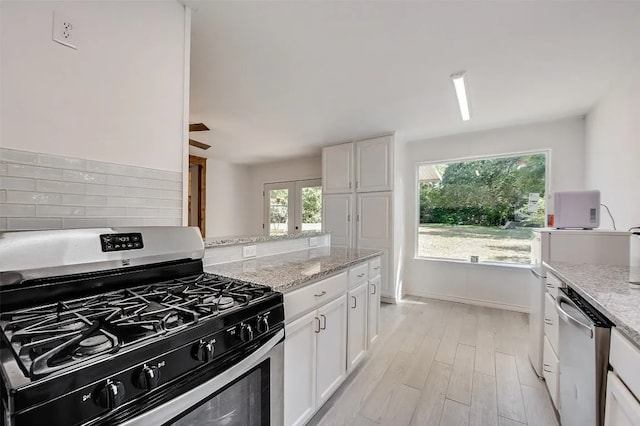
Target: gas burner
[(93, 345), (225, 302)]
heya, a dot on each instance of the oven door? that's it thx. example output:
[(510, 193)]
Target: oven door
[(248, 393)]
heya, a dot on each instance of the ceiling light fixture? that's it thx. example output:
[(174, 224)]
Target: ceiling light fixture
[(460, 84)]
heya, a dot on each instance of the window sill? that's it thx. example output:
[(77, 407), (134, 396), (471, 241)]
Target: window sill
[(467, 262)]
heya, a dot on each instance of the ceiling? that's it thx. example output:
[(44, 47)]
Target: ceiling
[(277, 80)]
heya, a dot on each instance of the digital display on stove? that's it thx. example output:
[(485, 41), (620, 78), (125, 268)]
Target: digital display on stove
[(118, 242)]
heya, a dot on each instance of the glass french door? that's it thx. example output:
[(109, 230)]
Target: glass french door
[(292, 207)]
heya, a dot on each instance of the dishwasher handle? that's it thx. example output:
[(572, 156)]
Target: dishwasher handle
[(536, 273), (568, 318)]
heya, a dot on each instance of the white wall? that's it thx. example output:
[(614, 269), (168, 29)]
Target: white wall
[(229, 204), (497, 286), (613, 150), (118, 98), (282, 171)]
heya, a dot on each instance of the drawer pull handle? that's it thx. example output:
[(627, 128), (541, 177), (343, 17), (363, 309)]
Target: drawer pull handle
[(323, 327), (360, 275), (547, 368), (322, 293), (374, 288), (548, 321), (317, 330), (376, 268), (355, 302)]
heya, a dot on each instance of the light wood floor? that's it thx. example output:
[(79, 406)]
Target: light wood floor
[(443, 363)]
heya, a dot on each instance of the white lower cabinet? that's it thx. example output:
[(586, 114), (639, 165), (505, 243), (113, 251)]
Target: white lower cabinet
[(622, 408), (334, 321), (550, 372), (357, 320), (314, 353), (332, 348), (300, 369), (373, 313)]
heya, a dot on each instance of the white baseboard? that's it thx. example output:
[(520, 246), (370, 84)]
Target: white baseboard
[(469, 301), (385, 299)]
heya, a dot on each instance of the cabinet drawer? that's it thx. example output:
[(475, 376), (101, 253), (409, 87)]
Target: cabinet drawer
[(625, 359), (314, 295), (358, 274), (551, 321), (553, 284), (375, 267), (622, 408), (550, 371)]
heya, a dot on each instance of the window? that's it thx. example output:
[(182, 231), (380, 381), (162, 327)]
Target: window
[(300, 200), (482, 209)]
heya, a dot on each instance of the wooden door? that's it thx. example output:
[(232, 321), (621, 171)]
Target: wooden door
[(332, 348), (198, 200), (374, 164), (357, 320), (337, 169), (337, 218)]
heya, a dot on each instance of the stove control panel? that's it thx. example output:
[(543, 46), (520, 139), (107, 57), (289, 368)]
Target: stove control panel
[(119, 242)]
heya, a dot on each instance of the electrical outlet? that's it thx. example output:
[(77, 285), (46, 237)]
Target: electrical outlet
[(249, 251), (64, 31)]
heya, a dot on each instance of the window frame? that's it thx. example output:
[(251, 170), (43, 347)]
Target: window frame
[(416, 219)]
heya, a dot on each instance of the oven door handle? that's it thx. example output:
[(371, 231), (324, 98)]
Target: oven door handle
[(173, 408), (568, 318)]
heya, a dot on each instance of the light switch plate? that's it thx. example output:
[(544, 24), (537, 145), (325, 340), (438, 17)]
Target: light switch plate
[(249, 251)]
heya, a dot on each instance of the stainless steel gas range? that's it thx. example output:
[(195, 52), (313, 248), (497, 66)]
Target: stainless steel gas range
[(122, 326)]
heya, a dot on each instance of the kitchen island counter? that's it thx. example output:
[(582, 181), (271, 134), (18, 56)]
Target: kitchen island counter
[(290, 271)]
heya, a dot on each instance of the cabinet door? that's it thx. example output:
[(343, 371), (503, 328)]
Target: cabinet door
[(373, 218), (550, 372), (337, 218), (357, 321), (622, 409), (373, 309), (337, 169), (300, 369), (551, 322), (374, 164), (332, 348)]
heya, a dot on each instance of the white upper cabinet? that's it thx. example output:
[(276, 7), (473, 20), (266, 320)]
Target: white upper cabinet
[(374, 165), (337, 169)]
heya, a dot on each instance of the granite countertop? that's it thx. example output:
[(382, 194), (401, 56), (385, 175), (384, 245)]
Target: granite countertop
[(230, 241), (289, 271), (606, 288)]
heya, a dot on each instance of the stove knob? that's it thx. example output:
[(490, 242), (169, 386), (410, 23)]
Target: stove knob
[(148, 378), (263, 324), (246, 332), (204, 351), (109, 395)]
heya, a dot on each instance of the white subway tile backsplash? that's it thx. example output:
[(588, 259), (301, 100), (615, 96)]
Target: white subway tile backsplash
[(106, 211), (60, 187), (76, 176), (47, 211), (23, 197), (58, 162), (144, 212), (21, 223), (17, 210), (15, 156), (162, 222), (107, 168), (42, 191), (84, 200), (23, 170), (70, 223), (126, 221), (21, 184)]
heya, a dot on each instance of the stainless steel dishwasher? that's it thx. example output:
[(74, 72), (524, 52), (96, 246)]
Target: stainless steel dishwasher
[(584, 358)]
